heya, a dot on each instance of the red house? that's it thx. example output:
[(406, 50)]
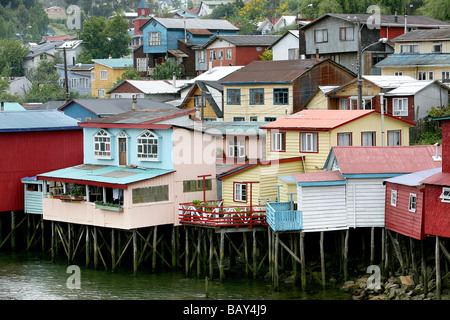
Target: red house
[(237, 50), (437, 190), (404, 207), (33, 142)]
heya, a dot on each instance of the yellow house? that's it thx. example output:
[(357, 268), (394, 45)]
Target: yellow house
[(105, 73), (421, 54), (270, 90), (258, 178), (206, 98), (312, 133)]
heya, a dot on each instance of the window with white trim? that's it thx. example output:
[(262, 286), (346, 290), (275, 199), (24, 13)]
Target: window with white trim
[(412, 202), (409, 48), (236, 148), (147, 146), (394, 198), (101, 93), (154, 38), (228, 54), (73, 83), (400, 107), (240, 192), (102, 145), (104, 75), (308, 142), (278, 141), (445, 196), (422, 75)]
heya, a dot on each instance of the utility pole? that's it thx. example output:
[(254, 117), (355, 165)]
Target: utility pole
[(359, 106), (66, 81)]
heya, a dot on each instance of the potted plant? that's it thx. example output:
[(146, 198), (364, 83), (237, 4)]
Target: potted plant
[(108, 206)]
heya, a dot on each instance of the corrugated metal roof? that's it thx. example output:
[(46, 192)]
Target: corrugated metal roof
[(41, 48), (390, 81), (115, 63), (216, 73), (312, 119), (440, 179), (105, 174), (412, 88), (36, 120), (245, 128), (248, 40), (194, 23), (102, 107), (271, 71), (387, 159), (154, 86), (321, 176), (414, 179), (12, 106), (424, 35), (415, 60)]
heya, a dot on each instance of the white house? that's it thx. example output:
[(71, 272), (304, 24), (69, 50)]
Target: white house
[(287, 47), (73, 49)]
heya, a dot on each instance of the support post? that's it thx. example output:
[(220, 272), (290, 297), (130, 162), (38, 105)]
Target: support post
[(254, 254), (95, 248), (221, 256), (438, 270), (372, 245), (135, 257), (186, 252), (88, 249), (155, 238), (113, 251), (211, 252), (52, 245), (347, 234), (303, 264), (69, 243), (276, 279), (13, 230), (322, 259)]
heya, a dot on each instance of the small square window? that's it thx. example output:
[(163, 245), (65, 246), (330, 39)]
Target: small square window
[(394, 198), (412, 202), (445, 196)]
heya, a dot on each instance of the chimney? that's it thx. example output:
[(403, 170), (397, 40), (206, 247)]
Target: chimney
[(317, 54), (134, 104), (436, 157), (174, 80), (2, 106), (395, 17)]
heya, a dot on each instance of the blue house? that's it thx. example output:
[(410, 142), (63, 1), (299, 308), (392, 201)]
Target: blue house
[(79, 77), (88, 109), (161, 35)]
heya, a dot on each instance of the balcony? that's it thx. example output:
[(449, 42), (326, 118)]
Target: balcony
[(281, 216), (213, 214)]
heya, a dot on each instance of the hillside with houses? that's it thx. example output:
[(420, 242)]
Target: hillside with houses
[(166, 118)]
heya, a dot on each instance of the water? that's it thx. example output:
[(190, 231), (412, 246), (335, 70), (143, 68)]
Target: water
[(30, 276)]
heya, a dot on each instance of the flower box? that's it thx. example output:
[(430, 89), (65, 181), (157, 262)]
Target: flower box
[(110, 208)]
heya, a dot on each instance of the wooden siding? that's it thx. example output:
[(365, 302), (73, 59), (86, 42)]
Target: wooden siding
[(365, 202), (33, 202), (399, 218), (437, 219), (251, 174), (323, 207)]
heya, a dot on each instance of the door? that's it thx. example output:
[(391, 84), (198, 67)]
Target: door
[(122, 151)]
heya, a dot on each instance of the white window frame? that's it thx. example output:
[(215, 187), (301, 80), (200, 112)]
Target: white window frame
[(430, 75), (219, 54), (277, 141), (343, 104), (73, 83), (311, 140), (445, 195), (146, 142), (103, 74), (409, 48), (240, 192), (102, 144), (421, 75), (394, 198), (154, 38), (400, 107), (101, 93), (236, 148), (228, 54), (399, 137), (92, 75), (412, 206)]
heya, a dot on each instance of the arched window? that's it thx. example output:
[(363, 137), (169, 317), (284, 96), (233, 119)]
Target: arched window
[(102, 145), (147, 146)]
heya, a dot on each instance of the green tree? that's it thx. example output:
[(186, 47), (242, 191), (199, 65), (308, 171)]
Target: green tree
[(129, 73), (437, 9), (12, 50), (166, 70), (45, 84), (267, 55), (117, 31)]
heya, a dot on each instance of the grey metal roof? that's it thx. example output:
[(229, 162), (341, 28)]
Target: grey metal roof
[(36, 120), (41, 48), (416, 59), (234, 127), (413, 179), (114, 106), (385, 20), (424, 35), (249, 40), (193, 23)]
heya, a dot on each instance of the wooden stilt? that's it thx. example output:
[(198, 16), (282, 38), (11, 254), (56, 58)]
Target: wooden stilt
[(347, 234), (322, 258), (13, 230), (211, 253), (294, 262), (269, 241), (87, 249), (438, 270), (244, 240), (424, 268), (413, 259), (222, 256), (276, 279), (113, 251), (42, 235), (174, 248), (254, 253), (199, 240), (95, 248), (372, 245), (155, 238), (69, 243), (134, 253), (53, 244), (186, 254), (383, 249), (28, 231)]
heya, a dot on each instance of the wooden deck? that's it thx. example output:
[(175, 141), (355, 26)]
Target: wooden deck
[(213, 214), (281, 216)]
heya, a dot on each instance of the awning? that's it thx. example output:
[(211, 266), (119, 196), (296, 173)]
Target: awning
[(178, 53)]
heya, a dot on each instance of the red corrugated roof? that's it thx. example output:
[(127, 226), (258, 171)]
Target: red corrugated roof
[(318, 176), (440, 179), (399, 159)]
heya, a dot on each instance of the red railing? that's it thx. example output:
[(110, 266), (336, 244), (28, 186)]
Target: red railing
[(213, 214)]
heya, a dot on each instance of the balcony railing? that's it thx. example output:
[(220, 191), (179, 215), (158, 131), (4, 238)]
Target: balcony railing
[(281, 216), (214, 214)]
